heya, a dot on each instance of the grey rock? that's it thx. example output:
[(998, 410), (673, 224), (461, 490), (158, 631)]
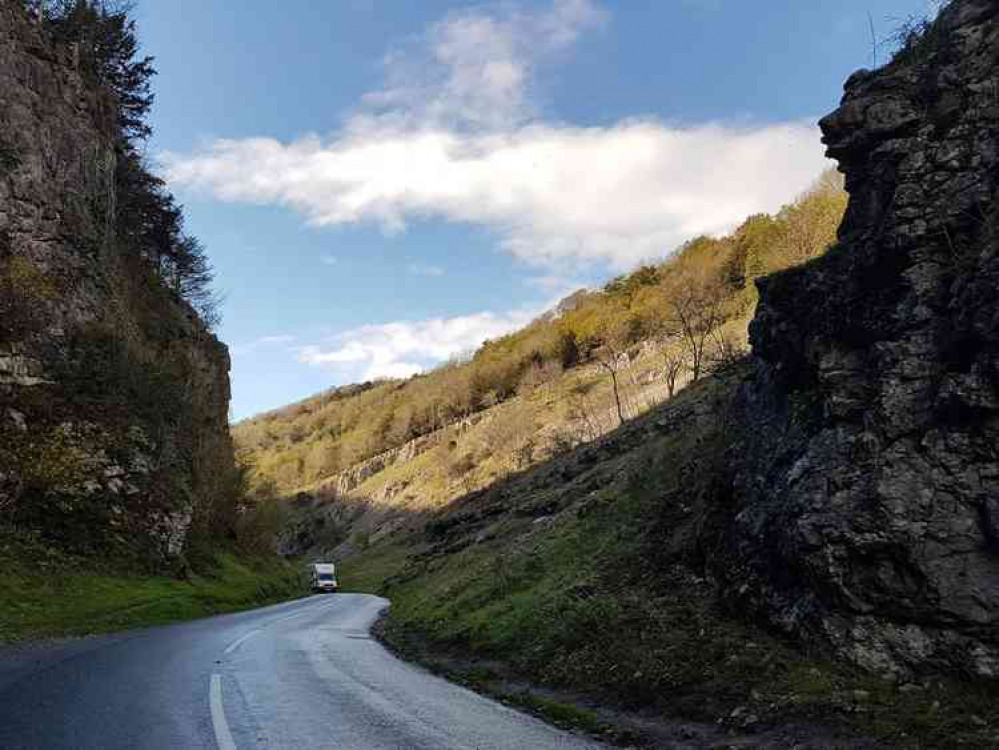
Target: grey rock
[(64, 289), (866, 496)]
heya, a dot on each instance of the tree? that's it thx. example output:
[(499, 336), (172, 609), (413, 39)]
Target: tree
[(726, 351), (809, 225), (695, 308), (669, 344), (610, 361), (191, 275), (625, 287), (110, 53), (615, 335), (146, 218)]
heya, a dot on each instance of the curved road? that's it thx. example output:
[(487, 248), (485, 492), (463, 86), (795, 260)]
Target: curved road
[(295, 676)]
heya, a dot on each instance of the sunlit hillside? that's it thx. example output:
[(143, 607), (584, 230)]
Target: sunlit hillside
[(601, 356)]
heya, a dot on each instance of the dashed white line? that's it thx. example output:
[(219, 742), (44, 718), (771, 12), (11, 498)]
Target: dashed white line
[(235, 644), (223, 737), (289, 617)]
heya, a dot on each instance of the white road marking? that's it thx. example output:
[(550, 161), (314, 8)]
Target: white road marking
[(235, 644), (289, 617), (223, 737), (310, 611)]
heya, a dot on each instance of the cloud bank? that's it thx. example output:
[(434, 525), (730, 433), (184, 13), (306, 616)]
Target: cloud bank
[(456, 135), (404, 348)]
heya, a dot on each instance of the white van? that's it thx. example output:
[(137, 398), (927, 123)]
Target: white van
[(323, 577)]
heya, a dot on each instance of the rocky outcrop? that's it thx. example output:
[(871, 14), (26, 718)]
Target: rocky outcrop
[(324, 519), (866, 502), (346, 481), (113, 393)]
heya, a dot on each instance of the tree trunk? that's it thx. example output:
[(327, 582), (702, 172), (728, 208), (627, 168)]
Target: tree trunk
[(617, 398)]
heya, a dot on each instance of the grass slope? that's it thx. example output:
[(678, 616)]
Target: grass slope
[(44, 593), (585, 575)]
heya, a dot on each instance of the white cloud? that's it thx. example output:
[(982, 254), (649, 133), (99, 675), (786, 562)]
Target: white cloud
[(455, 135), (474, 67), (403, 348), (425, 269), (259, 343), (555, 194)]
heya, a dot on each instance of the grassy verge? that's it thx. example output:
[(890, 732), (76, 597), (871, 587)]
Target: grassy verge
[(558, 625), (47, 594), (586, 583)]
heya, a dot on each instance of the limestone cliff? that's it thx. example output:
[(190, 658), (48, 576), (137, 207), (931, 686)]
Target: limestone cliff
[(113, 393), (865, 510)]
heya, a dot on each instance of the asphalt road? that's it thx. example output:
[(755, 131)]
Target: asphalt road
[(295, 676)]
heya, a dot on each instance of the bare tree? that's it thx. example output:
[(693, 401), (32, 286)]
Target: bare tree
[(726, 352), (674, 360), (668, 341), (696, 311), (609, 358), (615, 334), (583, 412)]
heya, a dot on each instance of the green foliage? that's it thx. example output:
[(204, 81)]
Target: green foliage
[(106, 37), (259, 523), (105, 373), (24, 290)]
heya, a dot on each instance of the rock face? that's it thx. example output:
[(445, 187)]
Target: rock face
[(866, 502), (113, 393), (346, 481)]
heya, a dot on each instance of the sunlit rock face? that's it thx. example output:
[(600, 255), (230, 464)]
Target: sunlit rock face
[(866, 495)]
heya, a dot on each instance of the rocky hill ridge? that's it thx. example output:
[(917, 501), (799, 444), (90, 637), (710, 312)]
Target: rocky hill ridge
[(113, 392), (866, 514)]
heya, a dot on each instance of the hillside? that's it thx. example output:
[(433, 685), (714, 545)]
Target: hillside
[(656, 328)]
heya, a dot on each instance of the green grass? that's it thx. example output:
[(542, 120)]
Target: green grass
[(592, 605), (53, 595), (369, 572)]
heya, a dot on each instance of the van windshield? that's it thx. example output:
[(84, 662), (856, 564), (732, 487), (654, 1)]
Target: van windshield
[(325, 576)]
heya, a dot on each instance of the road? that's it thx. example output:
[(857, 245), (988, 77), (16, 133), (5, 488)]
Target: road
[(295, 676)]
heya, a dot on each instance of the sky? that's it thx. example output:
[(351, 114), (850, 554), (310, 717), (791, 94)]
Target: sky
[(384, 184)]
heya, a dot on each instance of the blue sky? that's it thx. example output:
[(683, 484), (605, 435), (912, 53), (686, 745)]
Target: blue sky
[(382, 184)]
